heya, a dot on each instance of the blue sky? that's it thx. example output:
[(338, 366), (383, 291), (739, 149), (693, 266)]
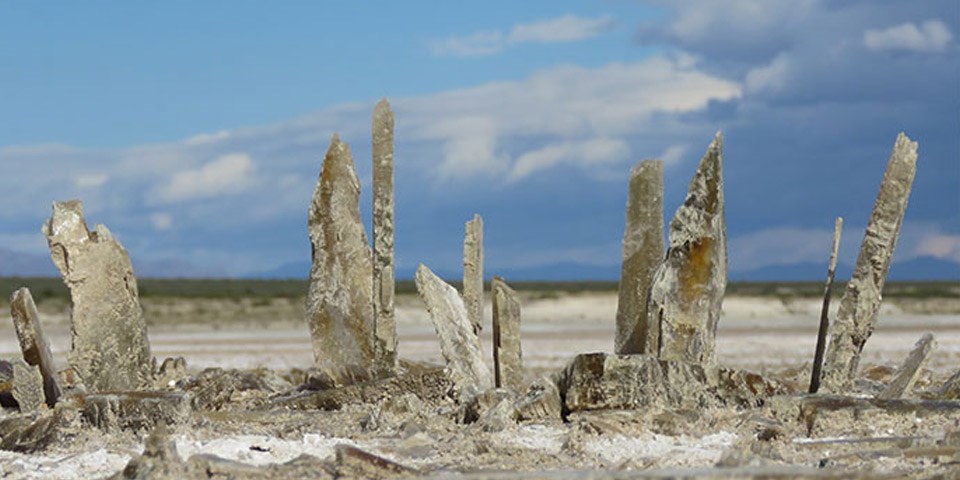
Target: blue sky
[(195, 130)]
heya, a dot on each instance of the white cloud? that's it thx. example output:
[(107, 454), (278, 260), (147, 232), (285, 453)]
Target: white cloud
[(474, 45), (91, 180), (771, 77), (930, 36), (470, 146), (229, 174), (783, 246), (673, 154), (791, 245), (592, 119), (567, 28), (587, 153), (939, 245), (478, 127), (205, 138), (740, 28), (162, 221)]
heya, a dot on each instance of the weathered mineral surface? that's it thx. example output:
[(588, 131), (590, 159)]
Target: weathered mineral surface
[(459, 343), (687, 290), (6, 385), (828, 415), (507, 354), (542, 400), (135, 410), (642, 254), (304, 466), (28, 433), (431, 383), (33, 344), (861, 300), (109, 346), (161, 461), (27, 386), (482, 402), (950, 390), (383, 262), (352, 462), (213, 388), (825, 309), (595, 381), (910, 370), (339, 307), (473, 272), (499, 417)]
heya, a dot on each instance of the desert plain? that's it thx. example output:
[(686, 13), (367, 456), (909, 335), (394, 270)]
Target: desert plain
[(769, 329)]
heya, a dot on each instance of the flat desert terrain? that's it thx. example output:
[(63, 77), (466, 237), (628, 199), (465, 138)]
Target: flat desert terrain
[(767, 334)]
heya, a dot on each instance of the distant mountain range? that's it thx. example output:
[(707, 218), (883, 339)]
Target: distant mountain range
[(923, 268), (19, 264), (560, 271)]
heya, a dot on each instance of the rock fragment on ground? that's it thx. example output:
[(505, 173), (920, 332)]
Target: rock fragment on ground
[(6, 385), (950, 390), (595, 381), (479, 404), (304, 466), (541, 401), (339, 307), (459, 342), (507, 352), (688, 287), (860, 304), (643, 252), (109, 346), (431, 384), (33, 344), (352, 462), (910, 370), (27, 387), (829, 415), (172, 370), (214, 388), (28, 433), (141, 410), (383, 240), (473, 272), (599, 381), (499, 417), (159, 460), (746, 389)]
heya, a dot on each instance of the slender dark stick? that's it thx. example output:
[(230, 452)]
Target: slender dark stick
[(824, 312)]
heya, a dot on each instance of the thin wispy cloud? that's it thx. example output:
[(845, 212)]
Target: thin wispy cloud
[(929, 36), (231, 173), (567, 28), (592, 152)]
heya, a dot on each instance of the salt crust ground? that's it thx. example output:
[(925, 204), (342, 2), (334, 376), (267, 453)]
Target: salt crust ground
[(761, 334), (667, 451)]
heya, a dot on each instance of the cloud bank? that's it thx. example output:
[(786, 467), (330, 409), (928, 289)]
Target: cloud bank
[(808, 118), (566, 28)]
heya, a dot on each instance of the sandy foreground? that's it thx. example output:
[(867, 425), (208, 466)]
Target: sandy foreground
[(765, 335)]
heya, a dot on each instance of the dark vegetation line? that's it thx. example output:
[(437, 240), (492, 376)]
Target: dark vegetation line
[(53, 288)]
